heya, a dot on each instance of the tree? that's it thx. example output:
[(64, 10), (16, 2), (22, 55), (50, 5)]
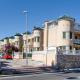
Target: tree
[(9, 49)]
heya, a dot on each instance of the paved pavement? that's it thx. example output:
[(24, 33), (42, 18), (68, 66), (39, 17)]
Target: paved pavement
[(21, 62), (27, 70), (44, 76), (40, 74), (7, 66)]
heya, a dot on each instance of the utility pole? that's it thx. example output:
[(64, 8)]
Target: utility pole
[(26, 25)]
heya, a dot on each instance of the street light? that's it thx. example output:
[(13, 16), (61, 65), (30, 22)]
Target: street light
[(26, 19), (47, 44)]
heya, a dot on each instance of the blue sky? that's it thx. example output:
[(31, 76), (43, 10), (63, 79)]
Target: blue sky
[(12, 19)]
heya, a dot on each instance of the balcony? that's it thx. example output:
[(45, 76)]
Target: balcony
[(77, 28), (76, 41)]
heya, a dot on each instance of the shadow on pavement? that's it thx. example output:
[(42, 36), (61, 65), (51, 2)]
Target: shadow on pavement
[(6, 69)]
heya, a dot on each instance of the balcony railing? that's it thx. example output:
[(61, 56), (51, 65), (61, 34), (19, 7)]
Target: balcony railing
[(69, 52), (76, 41), (77, 27)]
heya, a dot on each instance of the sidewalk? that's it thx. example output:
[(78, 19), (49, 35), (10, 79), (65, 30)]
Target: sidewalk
[(26, 71), (18, 68), (30, 69)]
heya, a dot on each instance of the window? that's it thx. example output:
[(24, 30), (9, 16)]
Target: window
[(16, 42), (35, 39), (70, 47), (76, 37), (70, 35), (13, 43), (32, 39), (67, 35), (60, 47), (31, 50), (64, 35), (28, 40), (38, 49), (38, 39), (34, 49), (64, 47), (25, 42)]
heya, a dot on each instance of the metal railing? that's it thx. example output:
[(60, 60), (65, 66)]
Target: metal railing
[(76, 41), (69, 52)]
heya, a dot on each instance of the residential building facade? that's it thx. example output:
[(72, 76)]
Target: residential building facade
[(57, 37), (33, 41), (61, 37), (62, 33)]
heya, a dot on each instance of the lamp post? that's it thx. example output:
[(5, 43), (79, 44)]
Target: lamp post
[(26, 19), (26, 22), (47, 44)]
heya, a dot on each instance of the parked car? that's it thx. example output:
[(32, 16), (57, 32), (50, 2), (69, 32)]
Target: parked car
[(7, 56), (9, 71), (72, 78), (72, 70)]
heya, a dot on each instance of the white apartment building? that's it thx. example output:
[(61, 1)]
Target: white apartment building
[(33, 41), (61, 35)]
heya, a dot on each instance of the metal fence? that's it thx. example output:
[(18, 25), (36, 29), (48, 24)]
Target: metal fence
[(68, 52)]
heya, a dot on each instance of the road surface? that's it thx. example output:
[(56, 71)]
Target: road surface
[(43, 76)]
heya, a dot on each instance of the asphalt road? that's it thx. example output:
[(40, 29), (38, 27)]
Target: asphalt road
[(43, 76)]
